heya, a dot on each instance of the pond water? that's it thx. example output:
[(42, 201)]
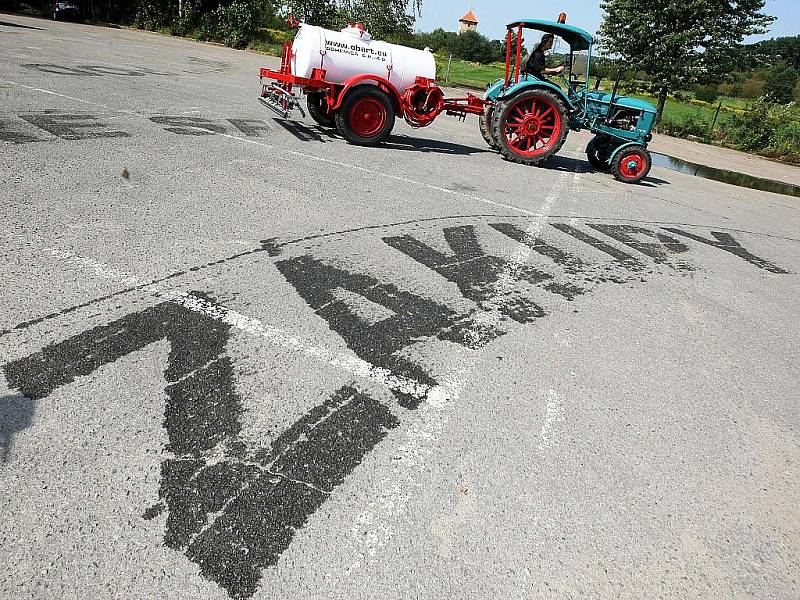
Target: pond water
[(725, 176)]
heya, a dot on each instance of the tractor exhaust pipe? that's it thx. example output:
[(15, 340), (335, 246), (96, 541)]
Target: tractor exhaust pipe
[(614, 93)]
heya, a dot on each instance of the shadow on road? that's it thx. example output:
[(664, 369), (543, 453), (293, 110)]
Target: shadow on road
[(577, 165), (654, 182), (306, 133), (401, 142), (16, 413), (315, 133), (7, 24)]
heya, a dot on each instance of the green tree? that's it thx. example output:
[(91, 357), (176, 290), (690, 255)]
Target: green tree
[(680, 42), (439, 40), (780, 83), (767, 52), (382, 18), (498, 50), (324, 13), (707, 93), (474, 47), (602, 67)]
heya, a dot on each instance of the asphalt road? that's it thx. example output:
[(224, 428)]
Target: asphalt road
[(241, 358)]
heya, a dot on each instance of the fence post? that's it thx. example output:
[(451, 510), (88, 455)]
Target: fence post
[(449, 60), (714, 122)]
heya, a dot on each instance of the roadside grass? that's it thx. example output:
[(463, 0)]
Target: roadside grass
[(467, 73), (676, 110), (266, 47)]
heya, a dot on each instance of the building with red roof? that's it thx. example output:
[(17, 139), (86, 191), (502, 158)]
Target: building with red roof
[(469, 22)]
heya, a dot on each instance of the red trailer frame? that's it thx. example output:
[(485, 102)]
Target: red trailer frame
[(419, 105)]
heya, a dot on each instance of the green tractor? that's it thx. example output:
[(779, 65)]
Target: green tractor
[(527, 118)]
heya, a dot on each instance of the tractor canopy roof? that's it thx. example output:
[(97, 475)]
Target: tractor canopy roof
[(577, 38)]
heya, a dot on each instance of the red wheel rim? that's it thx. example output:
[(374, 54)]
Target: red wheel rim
[(532, 126), (367, 117), (632, 166)]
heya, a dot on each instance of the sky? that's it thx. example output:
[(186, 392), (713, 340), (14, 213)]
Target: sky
[(586, 14)]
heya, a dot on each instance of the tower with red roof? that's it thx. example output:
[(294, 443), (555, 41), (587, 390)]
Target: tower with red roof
[(469, 22)]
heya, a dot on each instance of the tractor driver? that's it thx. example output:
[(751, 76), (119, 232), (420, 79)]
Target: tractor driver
[(537, 65)]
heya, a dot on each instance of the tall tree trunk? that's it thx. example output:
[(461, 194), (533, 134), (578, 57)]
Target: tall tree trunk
[(662, 98)]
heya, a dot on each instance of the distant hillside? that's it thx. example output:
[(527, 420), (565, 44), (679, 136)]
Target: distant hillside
[(769, 52)]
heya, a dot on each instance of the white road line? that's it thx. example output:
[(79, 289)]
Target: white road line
[(555, 414), (383, 175), (375, 525), (284, 152), (52, 93), (351, 364)]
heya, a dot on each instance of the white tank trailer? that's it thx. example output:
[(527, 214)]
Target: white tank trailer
[(358, 85), (352, 51)]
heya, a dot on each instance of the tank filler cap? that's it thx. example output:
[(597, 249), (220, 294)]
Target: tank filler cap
[(357, 30)]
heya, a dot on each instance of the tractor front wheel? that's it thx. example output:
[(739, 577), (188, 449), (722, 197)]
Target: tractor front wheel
[(318, 109), (597, 154), (485, 125), (530, 127), (366, 117), (632, 164)]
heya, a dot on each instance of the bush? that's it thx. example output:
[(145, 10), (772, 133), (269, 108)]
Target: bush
[(187, 23), (238, 22), (786, 139), (153, 14), (692, 125), (768, 129), (750, 130), (706, 93), (780, 83), (752, 88)]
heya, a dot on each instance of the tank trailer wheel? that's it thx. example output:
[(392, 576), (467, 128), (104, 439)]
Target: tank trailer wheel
[(530, 127), (318, 109), (366, 117), (485, 125), (597, 154), (631, 165)]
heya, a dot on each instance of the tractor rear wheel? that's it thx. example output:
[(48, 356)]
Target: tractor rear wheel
[(530, 127), (366, 117), (597, 154), (318, 109), (632, 164), (485, 125)]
